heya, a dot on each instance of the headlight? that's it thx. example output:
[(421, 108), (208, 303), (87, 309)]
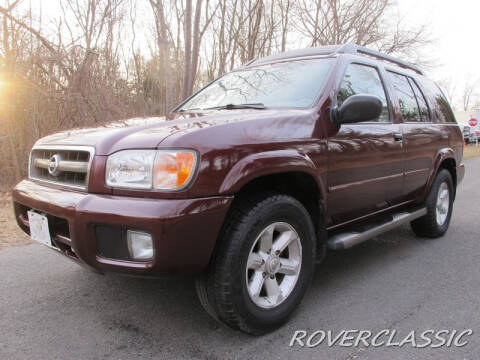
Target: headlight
[(151, 169)]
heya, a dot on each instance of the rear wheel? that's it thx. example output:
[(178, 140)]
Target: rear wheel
[(439, 204), (263, 265)]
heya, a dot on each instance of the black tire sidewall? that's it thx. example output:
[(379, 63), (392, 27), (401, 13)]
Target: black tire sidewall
[(285, 210), (442, 177)]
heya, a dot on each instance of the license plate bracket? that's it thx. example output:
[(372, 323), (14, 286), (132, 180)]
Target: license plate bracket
[(39, 230)]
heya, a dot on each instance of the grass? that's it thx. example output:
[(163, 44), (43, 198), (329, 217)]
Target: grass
[(11, 235), (471, 151)]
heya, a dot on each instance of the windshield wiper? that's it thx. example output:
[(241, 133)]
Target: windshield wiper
[(259, 106), (187, 110)]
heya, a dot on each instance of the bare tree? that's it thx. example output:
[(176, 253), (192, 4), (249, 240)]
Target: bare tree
[(9, 59), (93, 62), (284, 7), (364, 22), (164, 50), (469, 92), (187, 73), (449, 87)]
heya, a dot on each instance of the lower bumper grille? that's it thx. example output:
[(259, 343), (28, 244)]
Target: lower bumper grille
[(112, 242)]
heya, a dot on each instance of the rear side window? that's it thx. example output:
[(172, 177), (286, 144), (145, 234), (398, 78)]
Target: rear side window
[(406, 97), (363, 79), (440, 108), (422, 103)]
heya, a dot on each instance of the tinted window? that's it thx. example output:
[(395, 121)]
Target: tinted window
[(287, 84), (440, 107), (362, 79), (406, 97), (422, 103)]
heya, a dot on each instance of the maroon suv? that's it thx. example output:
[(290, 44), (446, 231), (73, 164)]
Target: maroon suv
[(250, 180)]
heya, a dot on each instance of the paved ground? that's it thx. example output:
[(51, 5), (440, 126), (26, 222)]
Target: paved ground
[(51, 308)]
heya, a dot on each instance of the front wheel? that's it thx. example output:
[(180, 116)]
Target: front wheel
[(263, 265), (439, 204)]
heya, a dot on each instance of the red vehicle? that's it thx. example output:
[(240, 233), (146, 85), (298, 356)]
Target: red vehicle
[(249, 181)]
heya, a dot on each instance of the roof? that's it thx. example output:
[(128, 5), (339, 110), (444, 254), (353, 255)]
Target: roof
[(332, 50)]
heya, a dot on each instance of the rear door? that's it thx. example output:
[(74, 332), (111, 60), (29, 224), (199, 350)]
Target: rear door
[(365, 160), (422, 137)]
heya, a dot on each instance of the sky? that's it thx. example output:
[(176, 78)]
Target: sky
[(454, 25)]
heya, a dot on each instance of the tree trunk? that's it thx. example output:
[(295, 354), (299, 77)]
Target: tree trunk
[(164, 53), (187, 70), (196, 46), (222, 56), (255, 28), (8, 111)]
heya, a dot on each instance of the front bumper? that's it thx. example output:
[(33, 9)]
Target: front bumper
[(184, 231)]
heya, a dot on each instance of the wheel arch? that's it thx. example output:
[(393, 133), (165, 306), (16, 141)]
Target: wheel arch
[(268, 163), (444, 159), (284, 171)]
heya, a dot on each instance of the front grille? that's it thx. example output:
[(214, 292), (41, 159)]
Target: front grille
[(67, 166)]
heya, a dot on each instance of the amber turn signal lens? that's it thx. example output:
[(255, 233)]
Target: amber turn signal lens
[(173, 169)]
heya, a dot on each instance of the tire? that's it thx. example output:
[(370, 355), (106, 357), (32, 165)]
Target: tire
[(435, 223), (239, 287)]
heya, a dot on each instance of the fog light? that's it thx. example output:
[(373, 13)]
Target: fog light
[(140, 245)]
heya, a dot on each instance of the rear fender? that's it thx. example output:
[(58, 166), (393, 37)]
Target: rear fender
[(441, 155)]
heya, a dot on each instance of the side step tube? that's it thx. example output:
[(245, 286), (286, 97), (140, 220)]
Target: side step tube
[(348, 239)]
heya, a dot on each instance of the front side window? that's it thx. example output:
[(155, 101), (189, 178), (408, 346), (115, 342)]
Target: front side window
[(280, 85), (363, 79), (406, 97)]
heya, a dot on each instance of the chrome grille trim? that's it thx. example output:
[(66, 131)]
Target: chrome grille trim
[(70, 166), (75, 169)]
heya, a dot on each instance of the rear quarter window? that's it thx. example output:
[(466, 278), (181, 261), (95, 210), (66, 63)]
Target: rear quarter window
[(441, 109)]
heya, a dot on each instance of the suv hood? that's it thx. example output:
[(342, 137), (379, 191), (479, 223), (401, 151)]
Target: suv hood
[(150, 132)]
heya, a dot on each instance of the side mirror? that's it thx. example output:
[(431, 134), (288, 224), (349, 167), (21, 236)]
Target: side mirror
[(357, 108)]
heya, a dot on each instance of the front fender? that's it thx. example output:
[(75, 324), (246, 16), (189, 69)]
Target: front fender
[(268, 163)]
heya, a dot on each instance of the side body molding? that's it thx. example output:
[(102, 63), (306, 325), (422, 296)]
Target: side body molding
[(269, 163)]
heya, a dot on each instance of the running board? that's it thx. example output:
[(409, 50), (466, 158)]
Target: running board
[(348, 239)]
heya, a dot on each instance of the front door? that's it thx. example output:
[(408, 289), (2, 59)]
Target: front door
[(365, 160)]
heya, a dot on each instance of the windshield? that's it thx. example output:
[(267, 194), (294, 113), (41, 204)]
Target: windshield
[(286, 84)]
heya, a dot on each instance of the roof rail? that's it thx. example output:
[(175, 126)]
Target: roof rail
[(249, 62), (330, 50), (362, 50), (314, 51)]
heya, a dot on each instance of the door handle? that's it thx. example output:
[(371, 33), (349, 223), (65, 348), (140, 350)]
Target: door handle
[(398, 136)]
